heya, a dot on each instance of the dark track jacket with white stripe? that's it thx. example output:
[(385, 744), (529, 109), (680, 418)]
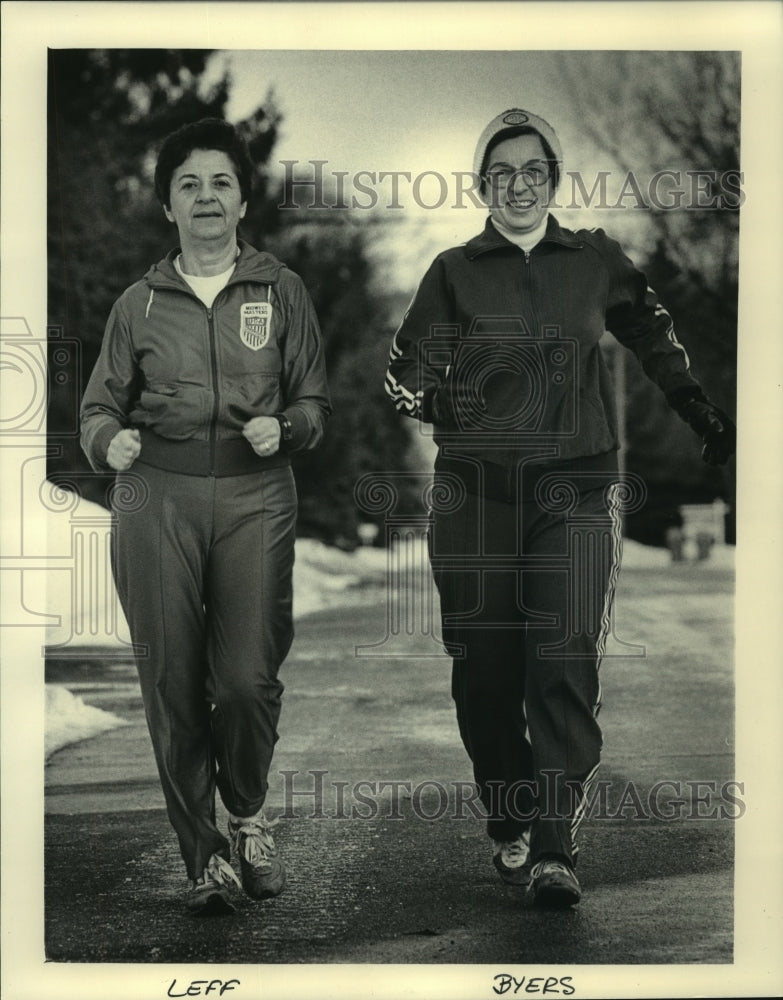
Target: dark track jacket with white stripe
[(499, 348)]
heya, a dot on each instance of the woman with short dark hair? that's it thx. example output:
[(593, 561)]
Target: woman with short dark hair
[(211, 373)]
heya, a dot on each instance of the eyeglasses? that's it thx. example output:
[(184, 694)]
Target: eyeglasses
[(534, 173)]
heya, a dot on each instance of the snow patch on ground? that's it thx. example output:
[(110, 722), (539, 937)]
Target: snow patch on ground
[(325, 577), (71, 585), (638, 556), (69, 720), (81, 597)]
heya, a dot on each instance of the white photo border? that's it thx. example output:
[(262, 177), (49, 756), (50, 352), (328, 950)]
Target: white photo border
[(754, 29)]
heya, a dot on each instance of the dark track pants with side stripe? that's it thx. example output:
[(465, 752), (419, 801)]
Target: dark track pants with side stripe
[(203, 567), (526, 595)]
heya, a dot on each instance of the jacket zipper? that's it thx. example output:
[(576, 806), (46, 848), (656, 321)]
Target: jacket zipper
[(215, 393), (511, 471), (212, 334), (529, 289)]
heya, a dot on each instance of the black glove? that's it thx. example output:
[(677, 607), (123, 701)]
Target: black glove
[(453, 406), (442, 406), (713, 425)]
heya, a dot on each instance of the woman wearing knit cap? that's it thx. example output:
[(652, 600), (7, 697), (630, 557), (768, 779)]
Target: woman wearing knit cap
[(499, 350)]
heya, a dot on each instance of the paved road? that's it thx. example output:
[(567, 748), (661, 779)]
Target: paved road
[(407, 880)]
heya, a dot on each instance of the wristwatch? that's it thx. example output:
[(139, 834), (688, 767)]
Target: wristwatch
[(286, 430)]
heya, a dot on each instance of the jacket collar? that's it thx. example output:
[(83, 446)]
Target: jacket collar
[(492, 239), (252, 265)]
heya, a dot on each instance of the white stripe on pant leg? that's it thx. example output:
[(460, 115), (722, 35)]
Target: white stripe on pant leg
[(579, 813), (606, 623), (617, 548)]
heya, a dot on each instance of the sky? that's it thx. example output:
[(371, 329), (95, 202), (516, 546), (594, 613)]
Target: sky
[(421, 112), (395, 111), (392, 110)]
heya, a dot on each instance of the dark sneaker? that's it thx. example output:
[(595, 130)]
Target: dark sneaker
[(263, 872), (512, 859), (209, 895), (554, 884)]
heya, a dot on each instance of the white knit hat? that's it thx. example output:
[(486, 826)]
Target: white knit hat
[(510, 123)]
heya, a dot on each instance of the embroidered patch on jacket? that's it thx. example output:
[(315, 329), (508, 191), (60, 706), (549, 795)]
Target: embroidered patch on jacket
[(256, 324)]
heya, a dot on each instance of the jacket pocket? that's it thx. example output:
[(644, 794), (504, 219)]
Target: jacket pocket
[(597, 428), (251, 396), (174, 410)]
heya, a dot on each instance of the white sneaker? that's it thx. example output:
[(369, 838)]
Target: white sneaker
[(263, 872), (512, 859), (209, 893), (554, 884)]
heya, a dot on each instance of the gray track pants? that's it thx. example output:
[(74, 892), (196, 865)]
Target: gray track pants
[(203, 569)]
